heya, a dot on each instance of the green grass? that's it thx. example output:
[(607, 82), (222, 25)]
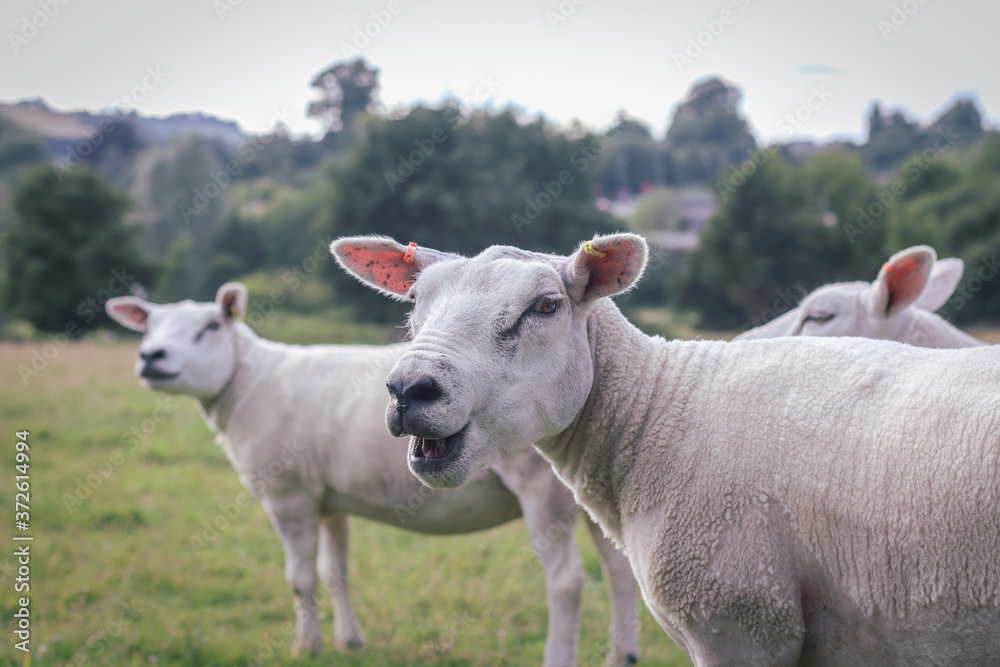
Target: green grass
[(128, 542), (330, 326)]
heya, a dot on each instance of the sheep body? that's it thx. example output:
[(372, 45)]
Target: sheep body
[(858, 476)]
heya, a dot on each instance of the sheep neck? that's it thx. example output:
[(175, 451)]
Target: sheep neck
[(629, 395), (249, 350)]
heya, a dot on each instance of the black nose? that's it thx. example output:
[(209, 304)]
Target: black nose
[(424, 390), (153, 356)]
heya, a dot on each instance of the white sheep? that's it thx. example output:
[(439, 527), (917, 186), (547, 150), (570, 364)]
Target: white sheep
[(302, 426), (898, 305), (789, 501)]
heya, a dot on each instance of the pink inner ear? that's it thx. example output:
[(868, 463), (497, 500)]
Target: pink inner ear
[(905, 279), (613, 272), (384, 267), (132, 313)]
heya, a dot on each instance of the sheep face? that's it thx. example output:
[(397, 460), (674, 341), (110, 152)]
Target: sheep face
[(832, 310), (187, 347), (885, 308), (500, 357)]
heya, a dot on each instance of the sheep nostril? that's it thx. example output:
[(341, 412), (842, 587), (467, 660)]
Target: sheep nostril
[(153, 356), (424, 390)]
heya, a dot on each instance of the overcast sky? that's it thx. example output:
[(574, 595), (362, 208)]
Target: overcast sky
[(251, 60)]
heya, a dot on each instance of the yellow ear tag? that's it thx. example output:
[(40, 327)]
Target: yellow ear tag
[(589, 248)]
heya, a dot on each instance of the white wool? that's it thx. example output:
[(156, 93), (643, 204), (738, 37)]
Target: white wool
[(732, 471)]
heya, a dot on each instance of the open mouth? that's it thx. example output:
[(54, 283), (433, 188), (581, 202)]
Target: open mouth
[(153, 373), (436, 449)]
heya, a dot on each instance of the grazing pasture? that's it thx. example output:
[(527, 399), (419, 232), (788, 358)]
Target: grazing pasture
[(128, 569)]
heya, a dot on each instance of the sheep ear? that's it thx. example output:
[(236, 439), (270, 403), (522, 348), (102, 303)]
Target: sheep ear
[(605, 266), (901, 280), (382, 263), (129, 311), (232, 298), (945, 276)]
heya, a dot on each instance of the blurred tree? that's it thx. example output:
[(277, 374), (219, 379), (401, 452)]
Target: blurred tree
[(707, 133), (988, 158), (461, 186), (306, 153), (18, 147), (346, 90), (290, 161), (20, 150), (841, 190), (633, 160), (69, 250), (121, 140), (875, 121), (176, 195), (962, 123), (274, 160), (296, 221), (629, 127), (928, 178), (236, 250), (779, 235), (115, 151), (181, 193), (890, 139), (958, 213), (175, 274)]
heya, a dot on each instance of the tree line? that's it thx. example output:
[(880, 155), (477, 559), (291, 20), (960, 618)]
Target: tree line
[(175, 221)]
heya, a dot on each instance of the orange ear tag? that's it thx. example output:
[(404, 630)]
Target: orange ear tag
[(410, 252)]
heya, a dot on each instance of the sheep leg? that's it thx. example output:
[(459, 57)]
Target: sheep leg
[(555, 546), (549, 512), (297, 524), (623, 649), (334, 568)]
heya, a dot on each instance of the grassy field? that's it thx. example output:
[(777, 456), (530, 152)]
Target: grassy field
[(115, 580)]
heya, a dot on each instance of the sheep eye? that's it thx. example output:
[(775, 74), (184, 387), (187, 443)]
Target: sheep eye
[(819, 318), (545, 306), (211, 326)]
